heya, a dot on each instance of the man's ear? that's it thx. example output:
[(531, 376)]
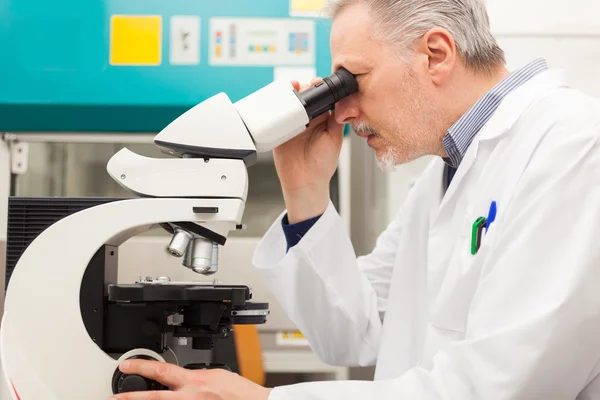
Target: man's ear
[(439, 49)]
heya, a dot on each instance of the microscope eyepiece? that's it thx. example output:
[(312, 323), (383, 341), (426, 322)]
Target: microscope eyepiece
[(342, 83), (322, 96)]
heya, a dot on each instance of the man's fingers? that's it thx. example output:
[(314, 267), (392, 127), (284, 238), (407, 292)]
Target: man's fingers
[(300, 87), (155, 395), (169, 375)]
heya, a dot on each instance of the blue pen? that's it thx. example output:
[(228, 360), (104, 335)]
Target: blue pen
[(491, 215)]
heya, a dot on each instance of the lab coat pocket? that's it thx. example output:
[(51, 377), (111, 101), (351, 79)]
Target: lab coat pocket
[(450, 310)]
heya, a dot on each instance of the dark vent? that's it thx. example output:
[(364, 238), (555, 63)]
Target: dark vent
[(30, 216)]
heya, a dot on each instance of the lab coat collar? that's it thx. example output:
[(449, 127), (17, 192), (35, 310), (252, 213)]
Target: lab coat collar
[(515, 103), (507, 114)]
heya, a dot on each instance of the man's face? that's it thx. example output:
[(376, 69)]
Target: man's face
[(394, 106)]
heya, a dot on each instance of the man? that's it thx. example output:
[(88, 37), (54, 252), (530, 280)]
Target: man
[(485, 285)]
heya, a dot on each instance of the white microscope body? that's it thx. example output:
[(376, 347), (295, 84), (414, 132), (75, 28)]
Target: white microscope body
[(46, 352)]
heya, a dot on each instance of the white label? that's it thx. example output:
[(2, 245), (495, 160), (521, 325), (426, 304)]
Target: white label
[(262, 41), (185, 40), (304, 75)]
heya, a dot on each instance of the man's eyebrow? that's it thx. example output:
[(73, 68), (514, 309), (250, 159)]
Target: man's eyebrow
[(349, 64)]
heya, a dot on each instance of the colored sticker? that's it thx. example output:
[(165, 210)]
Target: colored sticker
[(135, 40), (294, 338)]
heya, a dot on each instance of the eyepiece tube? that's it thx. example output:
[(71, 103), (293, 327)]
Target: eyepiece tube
[(322, 97)]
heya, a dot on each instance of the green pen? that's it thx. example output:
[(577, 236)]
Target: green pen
[(476, 231)]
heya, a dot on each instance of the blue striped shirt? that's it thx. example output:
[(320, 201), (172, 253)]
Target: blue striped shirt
[(461, 134)]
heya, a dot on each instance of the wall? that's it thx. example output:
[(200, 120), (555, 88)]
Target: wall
[(4, 193), (566, 33), (57, 48)]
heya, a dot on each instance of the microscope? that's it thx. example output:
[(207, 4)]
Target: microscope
[(68, 324)]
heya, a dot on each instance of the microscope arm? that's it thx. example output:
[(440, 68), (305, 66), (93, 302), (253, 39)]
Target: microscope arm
[(47, 352)]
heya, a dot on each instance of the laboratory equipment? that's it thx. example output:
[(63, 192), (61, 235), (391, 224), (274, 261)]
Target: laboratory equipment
[(199, 197)]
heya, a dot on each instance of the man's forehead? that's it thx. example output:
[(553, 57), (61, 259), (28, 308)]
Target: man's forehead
[(350, 36)]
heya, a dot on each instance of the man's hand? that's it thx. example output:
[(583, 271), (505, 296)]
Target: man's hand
[(213, 384), (306, 163)]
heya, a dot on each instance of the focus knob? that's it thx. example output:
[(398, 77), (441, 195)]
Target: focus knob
[(123, 383), (136, 383)]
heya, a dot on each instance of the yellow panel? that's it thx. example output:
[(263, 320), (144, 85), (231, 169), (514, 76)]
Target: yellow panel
[(307, 5), (135, 40), (249, 353)]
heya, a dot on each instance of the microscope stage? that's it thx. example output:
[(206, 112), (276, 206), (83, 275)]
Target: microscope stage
[(169, 292), (234, 299)]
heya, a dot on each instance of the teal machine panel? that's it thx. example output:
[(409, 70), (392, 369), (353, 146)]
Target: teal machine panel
[(135, 65)]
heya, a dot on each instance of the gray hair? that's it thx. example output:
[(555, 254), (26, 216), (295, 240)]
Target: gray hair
[(404, 21)]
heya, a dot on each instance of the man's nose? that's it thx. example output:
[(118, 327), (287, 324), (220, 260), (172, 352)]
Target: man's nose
[(345, 111)]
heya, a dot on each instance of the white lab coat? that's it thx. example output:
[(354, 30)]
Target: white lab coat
[(519, 320)]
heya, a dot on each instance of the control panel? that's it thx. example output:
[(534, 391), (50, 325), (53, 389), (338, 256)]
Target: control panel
[(261, 41)]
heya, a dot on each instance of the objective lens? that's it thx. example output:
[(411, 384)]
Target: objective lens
[(199, 257), (322, 96), (179, 243)]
